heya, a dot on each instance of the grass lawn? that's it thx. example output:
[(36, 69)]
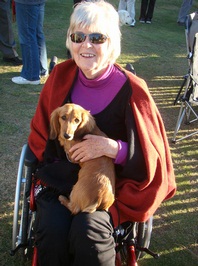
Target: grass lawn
[(158, 53)]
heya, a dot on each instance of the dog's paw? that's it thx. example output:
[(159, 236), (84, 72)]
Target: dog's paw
[(74, 209), (63, 200)]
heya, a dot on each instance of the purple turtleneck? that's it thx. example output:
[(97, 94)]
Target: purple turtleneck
[(96, 94)]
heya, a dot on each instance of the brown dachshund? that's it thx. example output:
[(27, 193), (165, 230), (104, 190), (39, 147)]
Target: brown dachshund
[(95, 187)]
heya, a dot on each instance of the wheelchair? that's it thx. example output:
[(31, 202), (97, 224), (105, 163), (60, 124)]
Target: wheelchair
[(132, 238)]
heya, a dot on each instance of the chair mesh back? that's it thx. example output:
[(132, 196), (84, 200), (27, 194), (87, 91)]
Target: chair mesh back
[(195, 68), (192, 49), (192, 29)]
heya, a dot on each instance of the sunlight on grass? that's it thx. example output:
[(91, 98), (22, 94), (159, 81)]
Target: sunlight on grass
[(181, 56), (176, 249), (181, 202), (170, 78)]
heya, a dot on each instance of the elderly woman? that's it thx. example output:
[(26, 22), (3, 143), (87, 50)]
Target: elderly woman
[(125, 111)]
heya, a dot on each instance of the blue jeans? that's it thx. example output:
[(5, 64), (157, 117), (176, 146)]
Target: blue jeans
[(30, 20), (184, 10), (128, 5)]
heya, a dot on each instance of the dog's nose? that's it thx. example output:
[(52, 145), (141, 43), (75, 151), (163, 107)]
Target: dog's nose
[(67, 136)]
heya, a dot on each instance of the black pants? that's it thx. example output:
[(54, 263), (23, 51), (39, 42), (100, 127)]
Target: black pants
[(147, 8), (77, 1), (64, 240)]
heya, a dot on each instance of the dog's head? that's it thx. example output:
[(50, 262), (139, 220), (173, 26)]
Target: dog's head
[(71, 122), (124, 17)]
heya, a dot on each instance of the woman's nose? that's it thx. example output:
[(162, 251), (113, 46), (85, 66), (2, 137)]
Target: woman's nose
[(87, 42)]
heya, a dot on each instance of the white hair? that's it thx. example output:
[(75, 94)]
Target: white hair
[(100, 17)]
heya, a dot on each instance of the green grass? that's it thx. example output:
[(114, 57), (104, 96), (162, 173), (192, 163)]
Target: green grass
[(158, 53)]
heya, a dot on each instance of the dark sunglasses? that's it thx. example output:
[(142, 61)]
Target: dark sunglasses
[(95, 38)]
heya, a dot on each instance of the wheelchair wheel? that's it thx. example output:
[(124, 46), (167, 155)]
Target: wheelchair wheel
[(144, 231), (137, 235), (23, 217)]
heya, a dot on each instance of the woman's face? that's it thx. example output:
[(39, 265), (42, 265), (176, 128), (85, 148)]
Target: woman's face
[(91, 58)]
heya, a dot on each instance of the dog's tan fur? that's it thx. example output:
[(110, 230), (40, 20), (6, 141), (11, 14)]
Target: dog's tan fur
[(96, 179)]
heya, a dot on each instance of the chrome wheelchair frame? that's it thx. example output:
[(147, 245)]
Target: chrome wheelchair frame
[(24, 213), (132, 238)]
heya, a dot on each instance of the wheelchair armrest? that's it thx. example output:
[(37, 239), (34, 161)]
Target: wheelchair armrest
[(30, 158)]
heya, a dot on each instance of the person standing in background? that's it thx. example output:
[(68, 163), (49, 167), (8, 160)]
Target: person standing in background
[(184, 11), (30, 18), (146, 11), (128, 5), (77, 1), (7, 41)]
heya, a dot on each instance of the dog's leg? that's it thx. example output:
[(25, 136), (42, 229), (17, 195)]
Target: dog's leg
[(74, 208)]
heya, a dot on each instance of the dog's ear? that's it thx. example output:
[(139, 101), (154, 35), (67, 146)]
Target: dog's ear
[(54, 124), (87, 125)]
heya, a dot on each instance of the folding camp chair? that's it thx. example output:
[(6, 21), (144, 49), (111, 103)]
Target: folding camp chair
[(188, 92)]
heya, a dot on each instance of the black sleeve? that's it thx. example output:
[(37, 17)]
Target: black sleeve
[(57, 172), (135, 167)]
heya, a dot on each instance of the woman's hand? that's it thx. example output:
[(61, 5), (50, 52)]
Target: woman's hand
[(94, 146)]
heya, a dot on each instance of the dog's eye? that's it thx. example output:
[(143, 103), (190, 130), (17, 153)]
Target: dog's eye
[(64, 117), (76, 120)]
